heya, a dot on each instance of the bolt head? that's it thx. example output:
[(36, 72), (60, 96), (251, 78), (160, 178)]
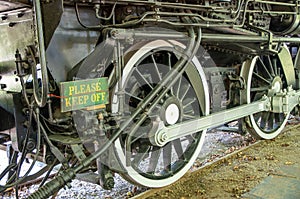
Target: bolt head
[(164, 137)]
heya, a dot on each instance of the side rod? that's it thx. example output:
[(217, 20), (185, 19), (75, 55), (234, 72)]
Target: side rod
[(167, 134), (282, 102)]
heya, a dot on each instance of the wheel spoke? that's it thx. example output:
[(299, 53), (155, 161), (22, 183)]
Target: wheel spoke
[(259, 89), (190, 116), (179, 86), (271, 66), (191, 101), (264, 120), (185, 92), (279, 72), (170, 61), (261, 78), (278, 118), (258, 116), (274, 61), (189, 113), (156, 68), (131, 95), (154, 157), (142, 135), (178, 149), (265, 68), (142, 80), (271, 121), (142, 154), (167, 157)]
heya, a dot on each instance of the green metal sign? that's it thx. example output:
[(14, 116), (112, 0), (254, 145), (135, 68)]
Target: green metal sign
[(82, 94)]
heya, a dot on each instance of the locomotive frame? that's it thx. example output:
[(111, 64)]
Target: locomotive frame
[(123, 85)]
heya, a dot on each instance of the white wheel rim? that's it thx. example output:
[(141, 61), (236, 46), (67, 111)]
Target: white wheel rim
[(247, 71), (132, 173)]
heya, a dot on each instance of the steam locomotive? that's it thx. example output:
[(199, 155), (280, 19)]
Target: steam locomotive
[(131, 86)]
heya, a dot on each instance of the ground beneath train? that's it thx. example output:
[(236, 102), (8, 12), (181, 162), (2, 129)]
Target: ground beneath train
[(231, 177), (245, 173)]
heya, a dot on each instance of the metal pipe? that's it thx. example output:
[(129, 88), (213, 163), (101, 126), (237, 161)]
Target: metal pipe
[(206, 37), (275, 3), (97, 10), (246, 38), (40, 100)]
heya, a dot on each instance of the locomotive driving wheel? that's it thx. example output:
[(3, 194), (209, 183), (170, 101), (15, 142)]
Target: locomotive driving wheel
[(267, 75), (152, 165)]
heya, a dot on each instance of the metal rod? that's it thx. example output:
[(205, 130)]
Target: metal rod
[(213, 120), (245, 38)]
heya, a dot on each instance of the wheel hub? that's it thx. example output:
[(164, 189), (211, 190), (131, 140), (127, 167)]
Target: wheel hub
[(171, 111), (276, 85), (172, 114)]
